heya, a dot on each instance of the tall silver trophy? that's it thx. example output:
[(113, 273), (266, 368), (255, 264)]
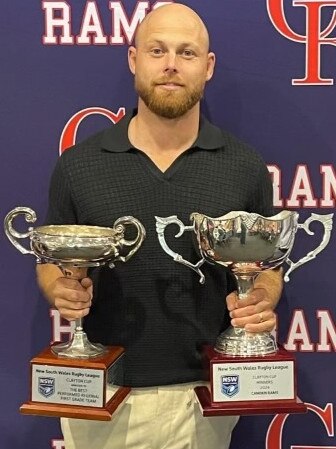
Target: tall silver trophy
[(247, 244), (74, 248)]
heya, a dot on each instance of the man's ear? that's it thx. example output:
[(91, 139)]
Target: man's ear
[(210, 65), (132, 59)]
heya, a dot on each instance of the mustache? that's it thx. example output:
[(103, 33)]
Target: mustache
[(165, 80)]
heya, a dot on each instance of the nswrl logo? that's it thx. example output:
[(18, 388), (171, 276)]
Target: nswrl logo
[(46, 386), (230, 385)]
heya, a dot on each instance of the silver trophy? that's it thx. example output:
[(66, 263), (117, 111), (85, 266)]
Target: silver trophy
[(73, 247), (246, 243)]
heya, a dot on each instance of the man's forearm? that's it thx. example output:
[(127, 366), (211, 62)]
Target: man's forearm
[(272, 282)]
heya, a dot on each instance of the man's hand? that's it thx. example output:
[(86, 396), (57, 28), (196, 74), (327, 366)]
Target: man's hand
[(72, 298), (254, 313)]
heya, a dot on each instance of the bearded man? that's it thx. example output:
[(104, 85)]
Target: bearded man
[(162, 159)]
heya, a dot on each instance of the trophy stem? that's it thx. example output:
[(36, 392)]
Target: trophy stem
[(244, 284), (79, 347), (79, 325), (235, 341)]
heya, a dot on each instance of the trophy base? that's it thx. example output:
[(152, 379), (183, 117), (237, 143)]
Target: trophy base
[(78, 412), (74, 388), (208, 408), (241, 385), (78, 348), (235, 341)]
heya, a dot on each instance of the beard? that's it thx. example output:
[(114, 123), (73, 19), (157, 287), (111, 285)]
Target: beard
[(169, 104)]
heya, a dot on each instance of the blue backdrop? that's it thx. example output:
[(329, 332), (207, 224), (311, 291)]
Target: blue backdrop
[(273, 87)]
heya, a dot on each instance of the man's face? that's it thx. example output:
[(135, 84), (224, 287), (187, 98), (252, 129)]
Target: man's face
[(171, 64)]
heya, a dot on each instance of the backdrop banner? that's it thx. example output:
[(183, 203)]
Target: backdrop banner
[(64, 76)]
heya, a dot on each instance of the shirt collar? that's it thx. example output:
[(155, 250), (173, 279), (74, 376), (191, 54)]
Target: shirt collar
[(115, 139)]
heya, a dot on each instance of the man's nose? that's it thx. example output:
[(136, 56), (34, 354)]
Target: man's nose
[(170, 62)]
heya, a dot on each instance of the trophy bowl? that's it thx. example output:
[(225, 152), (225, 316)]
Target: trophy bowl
[(75, 243), (247, 244)]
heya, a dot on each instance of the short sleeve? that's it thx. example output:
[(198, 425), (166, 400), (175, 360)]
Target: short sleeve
[(261, 200), (61, 209)]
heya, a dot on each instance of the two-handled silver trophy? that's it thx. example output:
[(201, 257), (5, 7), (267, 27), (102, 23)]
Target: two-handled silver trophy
[(70, 379), (249, 373)]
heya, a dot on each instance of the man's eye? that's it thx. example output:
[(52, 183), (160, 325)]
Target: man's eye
[(188, 53), (156, 51)]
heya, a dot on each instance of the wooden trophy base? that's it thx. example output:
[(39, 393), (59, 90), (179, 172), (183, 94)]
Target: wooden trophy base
[(259, 385), (75, 388)]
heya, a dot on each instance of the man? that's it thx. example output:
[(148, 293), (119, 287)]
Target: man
[(164, 159)]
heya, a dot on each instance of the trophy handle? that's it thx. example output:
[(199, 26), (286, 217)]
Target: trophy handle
[(161, 224), (119, 225), (327, 222), (30, 217)]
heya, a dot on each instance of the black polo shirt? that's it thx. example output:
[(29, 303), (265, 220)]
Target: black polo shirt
[(151, 305)]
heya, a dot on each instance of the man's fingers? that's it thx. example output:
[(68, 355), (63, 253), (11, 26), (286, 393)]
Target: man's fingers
[(66, 303), (86, 283), (266, 325), (72, 289), (255, 297), (252, 313), (258, 322), (232, 301), (71, 284), (249, 310), (72, 310), (72, 315), (73, 298)]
